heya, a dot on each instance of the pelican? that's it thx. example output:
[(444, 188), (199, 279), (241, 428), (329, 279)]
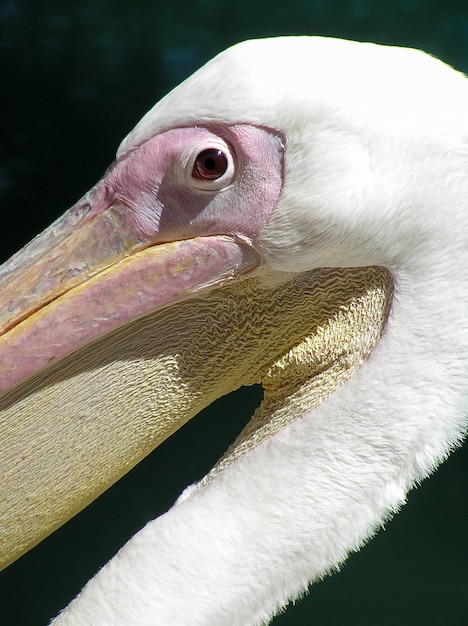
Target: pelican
[(292, 214)]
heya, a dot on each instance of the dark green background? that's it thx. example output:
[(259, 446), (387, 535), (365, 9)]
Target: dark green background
[(75, 77)]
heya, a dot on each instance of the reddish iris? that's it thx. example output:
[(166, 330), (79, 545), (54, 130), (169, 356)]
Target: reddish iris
[(210, 164)]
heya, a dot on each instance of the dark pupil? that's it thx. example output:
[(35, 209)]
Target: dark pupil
[(210, 164)]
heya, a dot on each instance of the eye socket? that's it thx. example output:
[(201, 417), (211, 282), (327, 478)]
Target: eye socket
[(210, 165)]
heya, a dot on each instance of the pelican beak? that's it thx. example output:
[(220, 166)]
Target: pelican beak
[(104, 264)]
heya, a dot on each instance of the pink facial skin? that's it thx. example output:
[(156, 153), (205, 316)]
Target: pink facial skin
[(156, 182), (58, 294)]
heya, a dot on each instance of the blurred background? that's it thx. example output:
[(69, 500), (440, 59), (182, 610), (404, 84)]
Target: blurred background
[(75, 78)]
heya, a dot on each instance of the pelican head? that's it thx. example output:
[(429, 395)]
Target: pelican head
[(293, 214)]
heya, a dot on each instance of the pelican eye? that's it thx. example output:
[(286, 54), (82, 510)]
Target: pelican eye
[(210, 164)]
